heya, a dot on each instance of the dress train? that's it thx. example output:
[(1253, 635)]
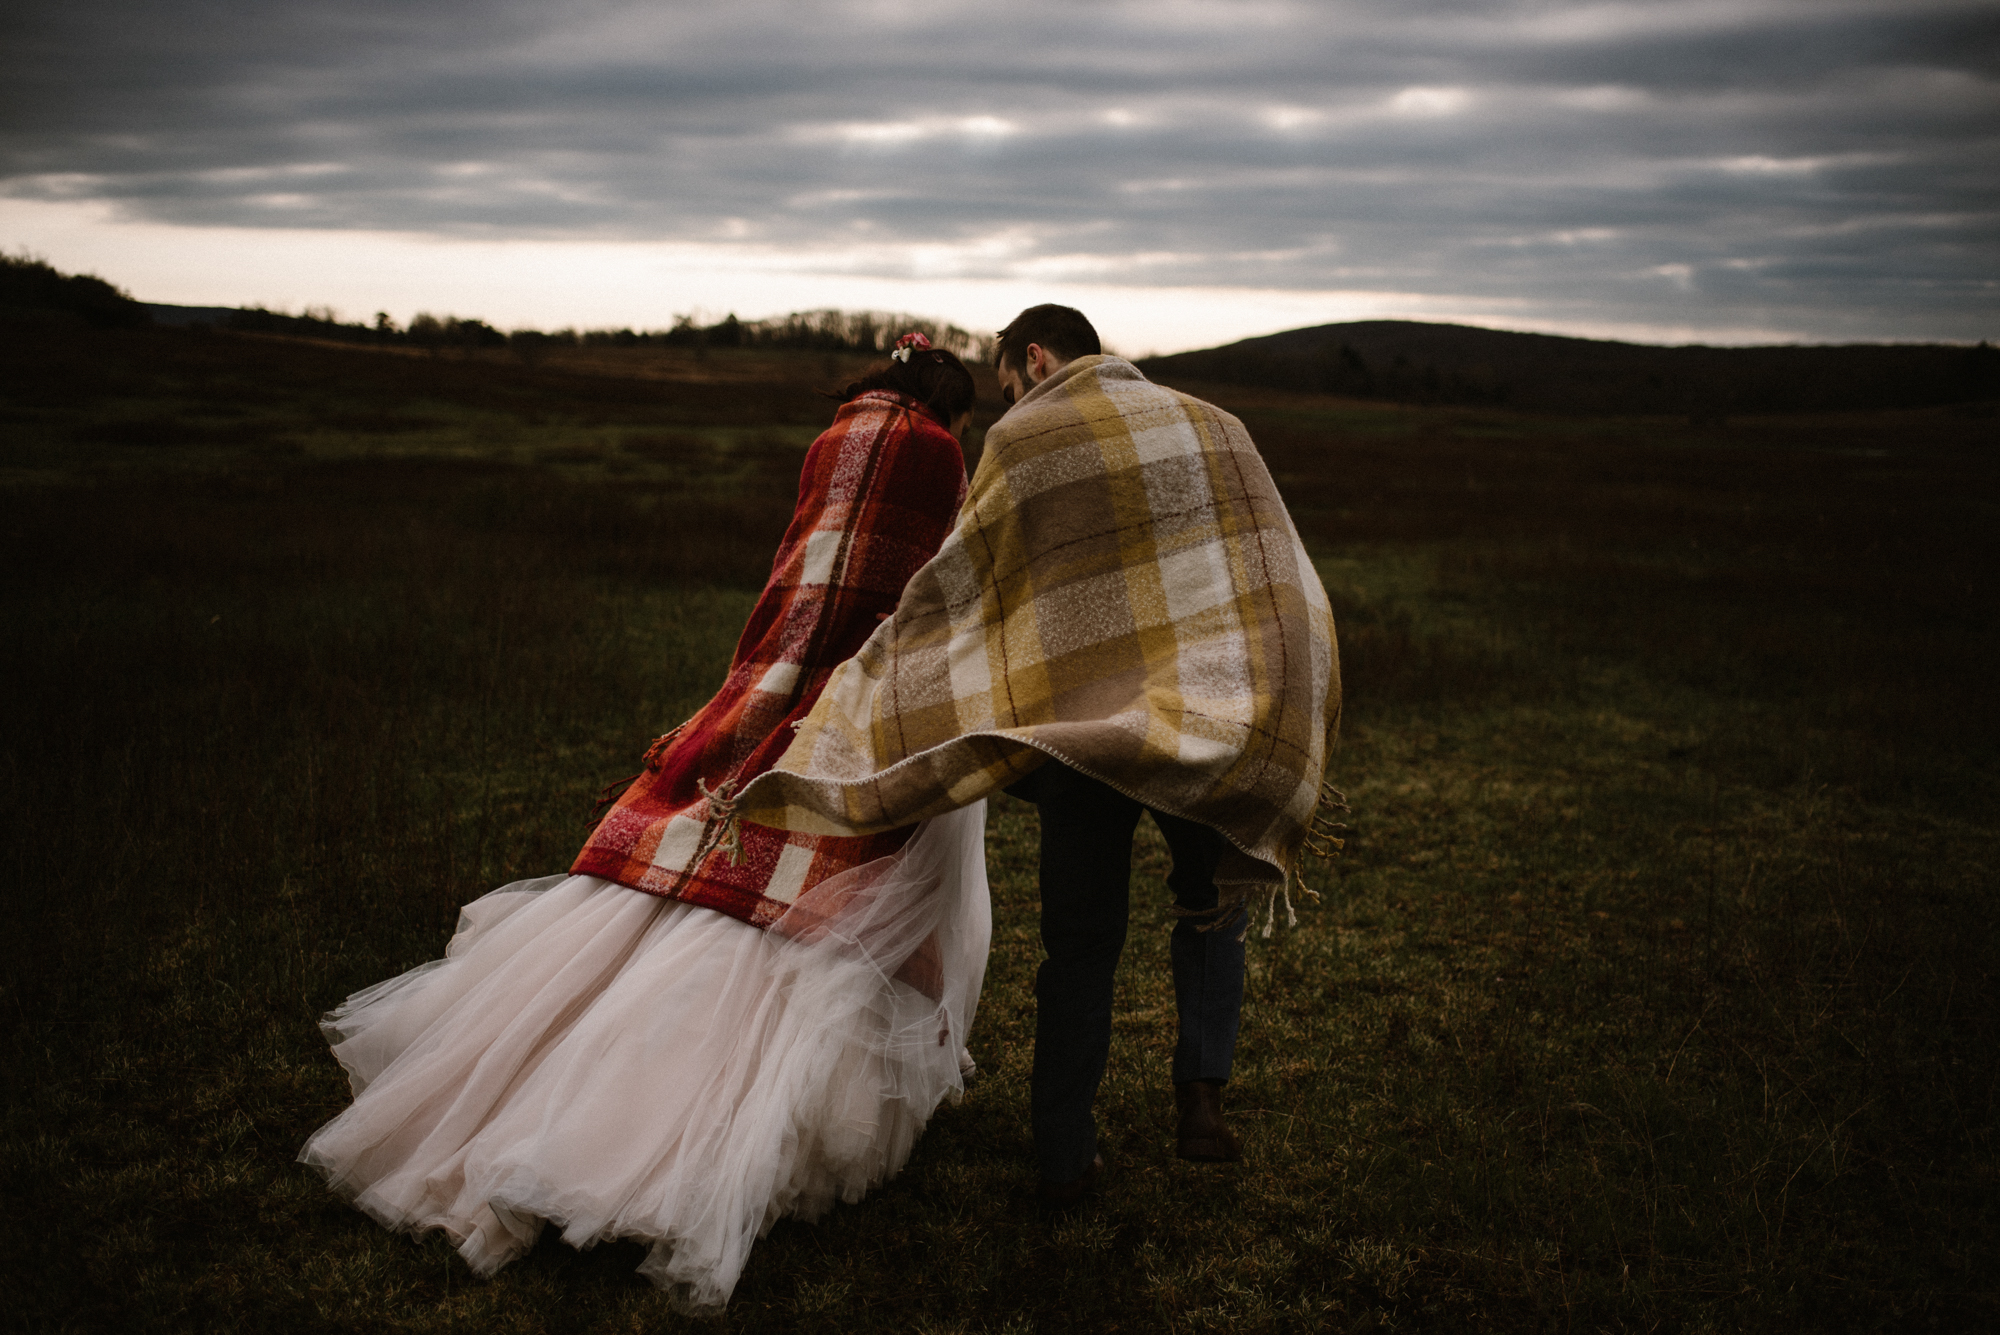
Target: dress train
[(626, 1066)]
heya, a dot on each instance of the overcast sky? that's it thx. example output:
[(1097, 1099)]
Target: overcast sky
[(1728, 170)]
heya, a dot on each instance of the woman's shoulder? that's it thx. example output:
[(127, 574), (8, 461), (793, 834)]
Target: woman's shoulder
[(884, 420), (899, 414), (886, 401)]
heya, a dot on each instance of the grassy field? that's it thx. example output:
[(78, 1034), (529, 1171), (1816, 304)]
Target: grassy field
[(1656, 990)]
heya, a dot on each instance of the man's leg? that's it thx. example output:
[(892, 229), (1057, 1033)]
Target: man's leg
[(1208, 991), (1086, 872), (1208, 966)]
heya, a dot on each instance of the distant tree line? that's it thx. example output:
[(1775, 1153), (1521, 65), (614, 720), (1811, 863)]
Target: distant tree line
[(816, 331), (31, 284), (829, 331)]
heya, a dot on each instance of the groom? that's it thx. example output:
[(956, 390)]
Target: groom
[(1086, 872), (1124, 620)]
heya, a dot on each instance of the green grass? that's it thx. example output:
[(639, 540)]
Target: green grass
[(1654, 992)]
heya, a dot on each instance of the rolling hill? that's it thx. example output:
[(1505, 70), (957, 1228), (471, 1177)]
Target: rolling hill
[(1412, 362)]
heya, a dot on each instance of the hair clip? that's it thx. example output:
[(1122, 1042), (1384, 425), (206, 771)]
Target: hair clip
[(907, 342)]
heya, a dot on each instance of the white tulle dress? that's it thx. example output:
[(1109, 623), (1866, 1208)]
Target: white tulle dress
[(626, 1066)]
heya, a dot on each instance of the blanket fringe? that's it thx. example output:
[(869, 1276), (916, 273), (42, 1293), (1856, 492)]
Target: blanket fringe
[(725, 827), (607, 795), (1283, 888), (656, 754), (1323, 839), (1228, 902)]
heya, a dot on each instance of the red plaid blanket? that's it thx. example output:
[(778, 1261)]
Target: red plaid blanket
[(880, 490)]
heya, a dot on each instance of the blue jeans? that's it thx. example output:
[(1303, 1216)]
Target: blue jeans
[(1086, 873)]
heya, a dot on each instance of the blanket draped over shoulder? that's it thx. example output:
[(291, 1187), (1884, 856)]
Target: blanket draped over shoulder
[(879, 492), (1124, 592)]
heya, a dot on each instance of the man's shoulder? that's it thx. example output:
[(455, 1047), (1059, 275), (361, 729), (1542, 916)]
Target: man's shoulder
[(1146, 395), (1203, 408), (1122, 380), (1103, 388)]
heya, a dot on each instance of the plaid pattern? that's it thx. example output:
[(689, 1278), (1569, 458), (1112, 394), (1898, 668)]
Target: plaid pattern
[(878, 495), (1125, 592)]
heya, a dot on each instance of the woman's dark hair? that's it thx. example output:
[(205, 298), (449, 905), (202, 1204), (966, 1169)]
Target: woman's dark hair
[(932, 376)]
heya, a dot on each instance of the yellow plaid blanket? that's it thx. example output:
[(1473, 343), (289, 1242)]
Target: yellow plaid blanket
[(1124, 592)]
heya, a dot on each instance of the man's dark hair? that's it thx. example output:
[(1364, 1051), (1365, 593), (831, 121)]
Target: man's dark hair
[(932, 376), (1062, 330)]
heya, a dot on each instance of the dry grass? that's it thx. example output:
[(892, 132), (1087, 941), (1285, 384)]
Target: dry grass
[(1656, 991)]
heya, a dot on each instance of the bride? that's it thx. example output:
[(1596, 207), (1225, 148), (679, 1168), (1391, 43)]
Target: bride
[(706, 1025)]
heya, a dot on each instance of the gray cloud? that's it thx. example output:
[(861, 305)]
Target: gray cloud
[(1824, 167)]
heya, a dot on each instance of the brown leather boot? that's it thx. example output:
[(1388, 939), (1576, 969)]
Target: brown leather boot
[(1203, 1135)]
